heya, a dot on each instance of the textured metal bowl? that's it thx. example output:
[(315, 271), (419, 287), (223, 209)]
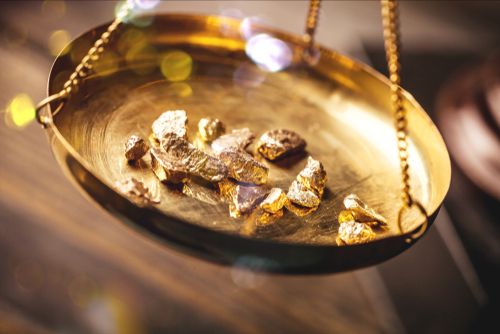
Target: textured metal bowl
[(341, 108)]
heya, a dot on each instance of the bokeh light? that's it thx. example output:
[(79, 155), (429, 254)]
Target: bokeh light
[(144, 4), (20, 111), (57, 42), (247, 26), (180, 89), (142, 58), (269, 53), (176, 65), (247, 272)]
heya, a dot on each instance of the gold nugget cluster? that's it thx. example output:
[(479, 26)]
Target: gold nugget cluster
[(358, 222), (218, 166)]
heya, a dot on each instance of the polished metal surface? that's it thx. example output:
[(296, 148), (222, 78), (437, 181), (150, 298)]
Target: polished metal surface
[(339, 106)]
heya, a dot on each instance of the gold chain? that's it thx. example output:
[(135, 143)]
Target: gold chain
[(85, 67), (311, 25), (392, 48), (392, 42)]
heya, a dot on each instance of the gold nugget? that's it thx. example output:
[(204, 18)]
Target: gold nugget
[(210, 129), (298, 210), (275, 201), (241, 198), (280, 143), (351, 232), (313, 176), (243, 167), (136, 191), (172, 121), (299, 194), (165, 168), (362, 213), (135, 148), (195, 161), (246, 198), (227, 190), (238, 139)]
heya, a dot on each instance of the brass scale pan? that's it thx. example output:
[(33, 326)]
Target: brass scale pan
[(340, 106)]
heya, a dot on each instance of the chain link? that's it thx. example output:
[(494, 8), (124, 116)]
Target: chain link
[(392, 48), (85, 67), (390, 19)]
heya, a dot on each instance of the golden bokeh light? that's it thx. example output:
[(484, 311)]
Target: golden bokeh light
[(176, 65), (180, 89), (130, 38), (57, 42), (20, 111), (142, 58)]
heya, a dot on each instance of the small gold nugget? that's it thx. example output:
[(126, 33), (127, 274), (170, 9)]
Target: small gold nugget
[(313, 176), (135, 148), (210, 129), (172, 121), (243, 167), (280, 143), (298, 210), (136, 191), (275, 201), (351, 232), (238, 139), (362, 213), (165, 168), (195, 161), (299, 194), (246, 198)]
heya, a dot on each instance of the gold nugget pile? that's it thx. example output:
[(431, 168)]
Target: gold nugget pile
[(217, 166)]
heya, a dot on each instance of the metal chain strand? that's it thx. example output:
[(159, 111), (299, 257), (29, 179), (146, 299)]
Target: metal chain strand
[(312, 21), (86, 65), (392, 43), (392, 49)]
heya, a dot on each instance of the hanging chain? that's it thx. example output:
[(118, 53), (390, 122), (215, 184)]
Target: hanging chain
[(392, 43), (85, 67), (311, 25)]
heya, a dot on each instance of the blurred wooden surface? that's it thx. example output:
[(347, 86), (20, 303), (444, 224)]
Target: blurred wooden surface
[(67, 266)]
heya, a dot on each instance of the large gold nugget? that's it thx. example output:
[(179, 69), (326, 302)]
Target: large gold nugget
[(245, 198), (352, 232), (275, 201), (172, 121), (136, 191), (313, 176), (210, 129), (301, 195), (135, 148), (361, 212), (195, 161), (243, 167), (279, 143), (238, 139), (166, 169)]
